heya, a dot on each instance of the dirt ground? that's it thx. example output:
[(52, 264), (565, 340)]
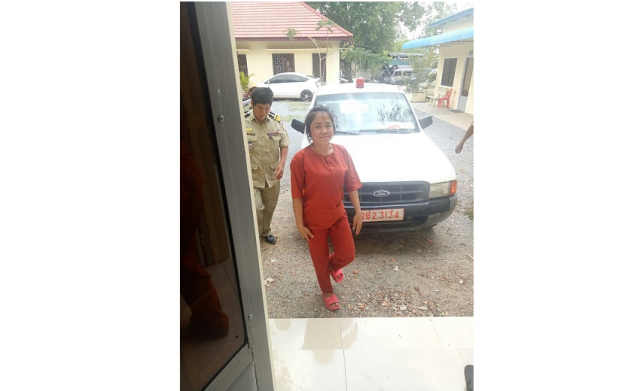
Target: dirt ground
[(420, 273)]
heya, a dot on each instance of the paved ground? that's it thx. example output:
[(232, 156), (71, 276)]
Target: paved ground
[(460, 120)]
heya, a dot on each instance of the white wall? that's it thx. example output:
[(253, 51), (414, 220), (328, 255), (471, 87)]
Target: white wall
[(461, 52), (458, 24), (333, 63), (259, 57)]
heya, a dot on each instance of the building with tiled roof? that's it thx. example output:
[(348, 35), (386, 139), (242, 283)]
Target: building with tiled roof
[(455, 65), (264, 48)]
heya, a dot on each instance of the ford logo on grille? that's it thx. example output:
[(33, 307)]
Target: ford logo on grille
[(381, 193)]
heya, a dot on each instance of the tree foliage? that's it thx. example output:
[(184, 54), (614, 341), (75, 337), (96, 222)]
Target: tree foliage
[(363, 59), (374, 25), (376, 32), (422, 67), (435, 11), (327, 25), (291, 33)]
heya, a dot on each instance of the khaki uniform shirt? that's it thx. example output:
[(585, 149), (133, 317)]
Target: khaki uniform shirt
[(264, 142)]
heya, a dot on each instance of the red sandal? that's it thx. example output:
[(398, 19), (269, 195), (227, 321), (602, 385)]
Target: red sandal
[(337, 276), (328, 301)]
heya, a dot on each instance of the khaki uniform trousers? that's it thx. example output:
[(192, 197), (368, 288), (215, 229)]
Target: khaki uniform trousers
[(266, 200)]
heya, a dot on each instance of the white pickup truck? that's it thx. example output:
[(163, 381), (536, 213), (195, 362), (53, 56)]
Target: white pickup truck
[(408, 182)]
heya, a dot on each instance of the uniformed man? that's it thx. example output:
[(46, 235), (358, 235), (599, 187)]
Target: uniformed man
[(268, 148)]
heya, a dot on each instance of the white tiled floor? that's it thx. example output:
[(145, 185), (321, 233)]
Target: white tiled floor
[(356, 354)]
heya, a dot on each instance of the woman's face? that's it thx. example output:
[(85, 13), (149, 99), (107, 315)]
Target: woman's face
[(321, 129)]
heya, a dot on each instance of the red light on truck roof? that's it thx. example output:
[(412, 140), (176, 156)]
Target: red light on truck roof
[(360, 82)]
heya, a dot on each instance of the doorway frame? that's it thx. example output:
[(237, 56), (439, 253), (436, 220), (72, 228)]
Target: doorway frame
[(251, 366), (462, 103)]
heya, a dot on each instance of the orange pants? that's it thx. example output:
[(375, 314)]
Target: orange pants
[(345, 250)]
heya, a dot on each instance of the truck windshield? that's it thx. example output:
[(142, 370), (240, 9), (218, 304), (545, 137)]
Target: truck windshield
[(377, 112)]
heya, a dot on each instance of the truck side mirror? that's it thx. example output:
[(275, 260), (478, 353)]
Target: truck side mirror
[(425, 121), (298, 125)]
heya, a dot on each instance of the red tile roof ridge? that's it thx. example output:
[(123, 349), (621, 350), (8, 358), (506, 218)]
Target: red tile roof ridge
[(249, 21)]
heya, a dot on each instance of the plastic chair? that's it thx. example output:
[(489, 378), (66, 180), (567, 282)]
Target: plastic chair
[(446, 97)]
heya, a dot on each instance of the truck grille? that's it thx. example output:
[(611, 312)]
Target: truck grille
[(399, 193)]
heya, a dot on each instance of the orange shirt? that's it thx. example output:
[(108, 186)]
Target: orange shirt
[(321, 181)]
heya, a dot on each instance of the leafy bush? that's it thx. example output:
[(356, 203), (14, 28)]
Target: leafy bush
[(363, 59), (244, 80), (422, 67)]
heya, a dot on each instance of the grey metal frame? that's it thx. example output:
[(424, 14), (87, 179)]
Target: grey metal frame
[(221, 68)]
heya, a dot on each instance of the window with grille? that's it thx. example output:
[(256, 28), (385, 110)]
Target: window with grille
[(242, 64), (448, 72), (283, 63)]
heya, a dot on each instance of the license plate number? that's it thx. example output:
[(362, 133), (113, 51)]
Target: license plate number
[(382, 215)]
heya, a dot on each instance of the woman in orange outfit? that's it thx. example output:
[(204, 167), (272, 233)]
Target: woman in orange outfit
[(318, 174)]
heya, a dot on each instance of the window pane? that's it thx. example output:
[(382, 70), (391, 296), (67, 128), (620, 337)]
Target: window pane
[(211, 321), (294, 79), (448, 72), (316, 67), (242, 64), (283, 63)]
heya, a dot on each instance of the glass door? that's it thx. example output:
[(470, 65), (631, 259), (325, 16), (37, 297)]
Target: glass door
[(212, 329), (224, 342), (466, 84)]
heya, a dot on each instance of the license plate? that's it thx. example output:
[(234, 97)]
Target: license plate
[(382, 215)]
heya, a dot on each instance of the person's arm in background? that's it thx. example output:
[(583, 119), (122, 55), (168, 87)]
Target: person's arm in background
[(464, 138)]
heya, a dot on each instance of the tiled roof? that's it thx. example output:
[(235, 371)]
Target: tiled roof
[(270, 20)]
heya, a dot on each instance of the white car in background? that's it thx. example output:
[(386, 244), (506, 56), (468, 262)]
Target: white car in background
[(292, 85), (408, 182)]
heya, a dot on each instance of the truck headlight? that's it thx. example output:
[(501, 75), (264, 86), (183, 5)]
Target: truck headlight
[(443, 189)]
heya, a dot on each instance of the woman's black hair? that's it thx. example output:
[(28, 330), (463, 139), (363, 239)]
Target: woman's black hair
[(312, 115)]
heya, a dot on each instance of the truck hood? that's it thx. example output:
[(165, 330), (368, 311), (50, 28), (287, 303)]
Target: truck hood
[(396, 157)]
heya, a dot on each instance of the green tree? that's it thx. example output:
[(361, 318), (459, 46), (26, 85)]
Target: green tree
[(327, 24), (435, 11), (397, 45), (422, 67), (374, 25), (363, 59)]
